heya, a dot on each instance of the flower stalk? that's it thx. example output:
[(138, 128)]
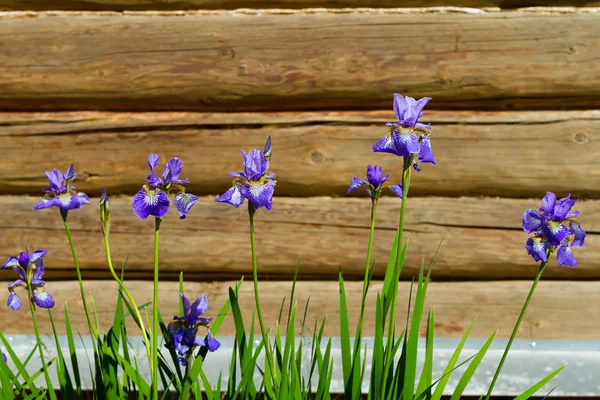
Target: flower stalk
[(263, 331), (39, 342), (517, 325), (155, 315), (91, 325)]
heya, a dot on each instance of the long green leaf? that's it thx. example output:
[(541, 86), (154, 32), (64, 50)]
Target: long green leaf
[(439, 389), (345, 336), (533, 390), (466, 378)]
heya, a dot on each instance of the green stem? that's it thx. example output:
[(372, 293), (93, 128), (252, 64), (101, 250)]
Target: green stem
[(516, 328), (396, 275), (370, 248), (263, 331), (367, 272), (39, 341), (131, 301), (155, 327), (91, 325)]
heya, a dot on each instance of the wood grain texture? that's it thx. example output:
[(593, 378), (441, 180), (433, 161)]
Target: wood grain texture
[(508, 154), (141, 5), (298, 59), (559, 310), (483, 239)]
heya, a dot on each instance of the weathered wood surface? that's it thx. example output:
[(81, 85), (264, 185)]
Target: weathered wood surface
[(482, 239), (497, 304), (315, 153), (140, 5), (297, 59)]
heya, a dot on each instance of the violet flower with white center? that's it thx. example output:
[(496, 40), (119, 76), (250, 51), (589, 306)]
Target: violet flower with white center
[(402, 139), (550, 229), (183, 330), (153, 199), (254, 183), (62, 192), (30, 268), (374, 183)]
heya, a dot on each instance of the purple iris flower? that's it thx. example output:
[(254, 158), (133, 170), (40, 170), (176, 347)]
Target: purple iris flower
[(254, 183), (30, 268), (402, 139), (153, 199), (4, 357), (183, 330), (374, 183), (62, 192), (554, 225)]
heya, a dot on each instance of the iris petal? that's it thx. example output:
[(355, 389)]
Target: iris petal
[(233, 196), (565, 256), (260, 195), (13, 301), (150, 202), (184, 202)]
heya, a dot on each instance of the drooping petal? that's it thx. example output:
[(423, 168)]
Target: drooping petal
[(210, 342), (532, 221), (579, 233), (425, 152), (565, 256), (42, 298), (397, 189), (356, 183), (563, 207), (537, 247), (70, 173), (386, 145), (258, 194), (56, 180), (255, 164), (83, 199), (47, 203), (555, 232), (150, 202), (12, 261), (548, 203), (233, 196), (184, 202), (406, 143), (13, 301), (152, 179)]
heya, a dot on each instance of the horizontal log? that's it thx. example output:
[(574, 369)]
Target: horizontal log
[(482, 239), (496, 304), (173, 5), (299, 59), (518, 154)]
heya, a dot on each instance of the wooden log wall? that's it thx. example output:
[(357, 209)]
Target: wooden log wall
[(515, 110)]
